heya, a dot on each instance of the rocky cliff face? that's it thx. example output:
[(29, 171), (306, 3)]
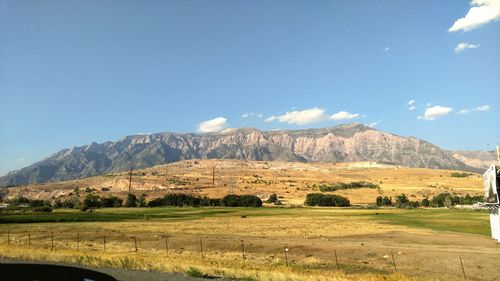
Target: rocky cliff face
[(478, 159), (344, 143)]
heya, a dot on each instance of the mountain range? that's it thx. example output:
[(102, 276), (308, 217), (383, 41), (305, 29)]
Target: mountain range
[(343, 143)]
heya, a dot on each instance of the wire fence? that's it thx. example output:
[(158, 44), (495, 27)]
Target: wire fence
[(449, 264)]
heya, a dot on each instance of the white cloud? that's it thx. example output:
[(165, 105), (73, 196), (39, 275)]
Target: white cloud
[(483, 108), (461, 47), (387, 49), (479, 108), (245, 115), (302, 117), (344, 115), (373, 124), (213, 125), (412, 107), (434, 112), (411, 102), (260, 115), (481, 12)]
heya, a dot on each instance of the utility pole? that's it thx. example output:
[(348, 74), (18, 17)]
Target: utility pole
[(213, 175), (130, 178)]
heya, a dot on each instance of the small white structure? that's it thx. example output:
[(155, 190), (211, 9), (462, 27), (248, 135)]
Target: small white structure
[(491, 180)]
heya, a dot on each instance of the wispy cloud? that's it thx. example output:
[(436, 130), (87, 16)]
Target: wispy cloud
[(300, 117), (481, 12), (434, 112), (485, 107), (251, 114), (373, 124), (461, 47), (411, 104), (344, 115), (387, 49), (212, 125)]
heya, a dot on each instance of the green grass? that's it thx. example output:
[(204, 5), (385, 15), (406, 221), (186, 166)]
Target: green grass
[(463, 221)]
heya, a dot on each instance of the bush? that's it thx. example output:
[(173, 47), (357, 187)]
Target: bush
[(233, 200), (111, 202), (273, 198), (44, 208), (195, 273), (459, 175), (131, 201), (318, 199), (180, 200), (384, 201), (91, 201), (351, 185)]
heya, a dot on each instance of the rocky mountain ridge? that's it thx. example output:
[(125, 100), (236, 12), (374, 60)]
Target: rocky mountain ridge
[(343, 143)]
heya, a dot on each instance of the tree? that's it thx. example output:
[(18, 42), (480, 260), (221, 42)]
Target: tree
[(142, 200), (111, 201), (426, 202), (90, 202), (131, 200), (318, 199), (273, 198), (402, 201)]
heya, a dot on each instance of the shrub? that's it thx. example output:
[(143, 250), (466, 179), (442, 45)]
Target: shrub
[(91, 201), (351, 185), (273, 198), (233, 200), (318, 199), (131, 201), (195, 273), (459, 175), (111, 201), (384, 201)]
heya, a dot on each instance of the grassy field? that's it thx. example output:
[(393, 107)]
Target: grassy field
[(455, 220), (363, 239), (290, 181)]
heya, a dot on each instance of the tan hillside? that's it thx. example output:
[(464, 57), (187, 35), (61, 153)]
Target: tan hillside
[(292, 181)]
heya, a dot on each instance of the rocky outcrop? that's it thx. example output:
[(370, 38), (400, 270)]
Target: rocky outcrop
[(344, 143)]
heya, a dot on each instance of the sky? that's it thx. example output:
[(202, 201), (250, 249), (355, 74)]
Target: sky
[(74, 72)]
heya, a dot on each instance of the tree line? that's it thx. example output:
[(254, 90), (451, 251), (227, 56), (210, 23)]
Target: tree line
[(440, 200)]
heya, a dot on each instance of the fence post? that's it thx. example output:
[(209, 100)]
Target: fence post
[(29, 239), (201, 248), (78, 241), (104, 241), (243, 250), (463, 270), (8, 237), (166, 245), (135, 243), (52, 239), (394, 262), (286, 256), (336, 259)]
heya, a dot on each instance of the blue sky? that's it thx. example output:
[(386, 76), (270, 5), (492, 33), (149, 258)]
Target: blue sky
[(73, 72)]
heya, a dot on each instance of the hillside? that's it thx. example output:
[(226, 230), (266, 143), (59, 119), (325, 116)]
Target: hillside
[(291, 181), (343, 143)]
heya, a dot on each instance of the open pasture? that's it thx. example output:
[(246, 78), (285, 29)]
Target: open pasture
[(322, 243)]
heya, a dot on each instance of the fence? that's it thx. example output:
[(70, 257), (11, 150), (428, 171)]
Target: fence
[(309, 253)]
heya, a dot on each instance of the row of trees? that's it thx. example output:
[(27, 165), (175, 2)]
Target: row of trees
[(326, 200), (351, 185), (440, 200)]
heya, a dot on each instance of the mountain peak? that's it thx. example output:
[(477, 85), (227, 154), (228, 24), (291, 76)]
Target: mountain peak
[(342, 143)]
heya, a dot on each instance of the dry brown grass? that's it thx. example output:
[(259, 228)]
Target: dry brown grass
[(291, 181)]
